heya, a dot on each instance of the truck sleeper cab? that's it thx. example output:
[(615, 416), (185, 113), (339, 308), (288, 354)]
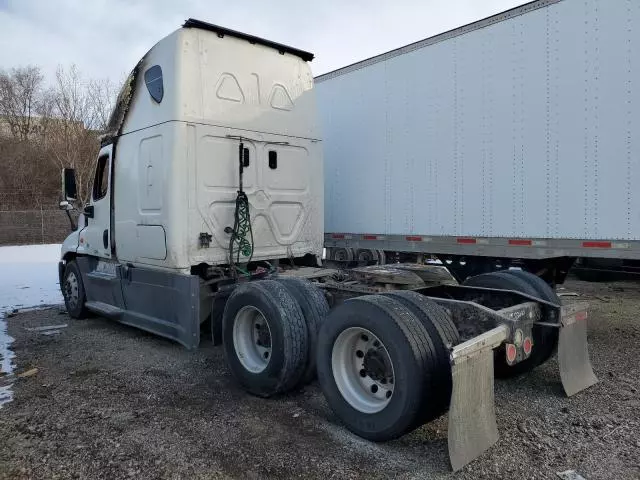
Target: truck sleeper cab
[(207, 204)]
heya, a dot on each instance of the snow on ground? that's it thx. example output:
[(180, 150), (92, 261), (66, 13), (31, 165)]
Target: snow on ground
[(28, 278)]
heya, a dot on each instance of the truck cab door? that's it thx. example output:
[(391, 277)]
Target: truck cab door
[(95, 238)]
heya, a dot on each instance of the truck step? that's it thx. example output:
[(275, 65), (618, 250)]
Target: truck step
[(105, 309)]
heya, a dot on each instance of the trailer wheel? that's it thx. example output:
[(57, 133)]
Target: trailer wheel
[(366, 256), (506, 281), (445, 335), (315, 309), (545, 339), (265, 338), (73, 292), (375, 362), (341, 254)]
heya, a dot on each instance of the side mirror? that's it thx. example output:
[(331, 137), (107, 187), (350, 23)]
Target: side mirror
[(69, 188)]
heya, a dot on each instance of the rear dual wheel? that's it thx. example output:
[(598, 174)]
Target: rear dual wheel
[(379, 367), (269, 333), (265, 338)]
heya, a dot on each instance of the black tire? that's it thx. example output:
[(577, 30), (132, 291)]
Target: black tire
[(411, 352), (444, 335), (547, 338), (339, 254), (75, 298), (365, 255), (315, 309), (217, 312), (506, 281), (288, 337)]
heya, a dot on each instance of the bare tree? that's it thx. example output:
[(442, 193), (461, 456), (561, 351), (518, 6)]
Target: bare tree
[(44, 130), (20, 99), (80, 110)]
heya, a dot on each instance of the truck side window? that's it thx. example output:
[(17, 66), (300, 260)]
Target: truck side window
[(101, 180)]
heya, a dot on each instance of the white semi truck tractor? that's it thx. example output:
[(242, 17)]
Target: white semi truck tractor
[(208, 205)]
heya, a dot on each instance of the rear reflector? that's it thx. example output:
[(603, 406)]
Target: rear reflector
[(413, 239), (370, 237), (596, 244), (339, 236), (520, 242), (470, 241)]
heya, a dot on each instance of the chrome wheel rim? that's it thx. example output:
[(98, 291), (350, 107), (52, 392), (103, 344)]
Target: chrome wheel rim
[(362, 370), (252, 339), (71, 290)]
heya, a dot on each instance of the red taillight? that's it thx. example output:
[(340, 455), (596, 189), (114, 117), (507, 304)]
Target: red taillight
[(527, 345), (512, 353)]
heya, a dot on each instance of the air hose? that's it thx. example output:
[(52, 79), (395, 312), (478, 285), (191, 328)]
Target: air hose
[(241, 241)]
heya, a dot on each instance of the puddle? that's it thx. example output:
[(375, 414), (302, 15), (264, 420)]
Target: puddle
[(6, 363)]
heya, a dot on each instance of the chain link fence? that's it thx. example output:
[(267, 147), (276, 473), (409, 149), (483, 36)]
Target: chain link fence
[(41, 225)]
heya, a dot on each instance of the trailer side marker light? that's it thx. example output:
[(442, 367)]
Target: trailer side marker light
[(519, 242), (413, 239), (466, 241), (527, 345), (511, 353), (596, 244)]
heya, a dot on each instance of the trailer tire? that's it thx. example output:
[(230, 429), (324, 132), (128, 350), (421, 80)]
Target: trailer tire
[(506, 281), (339, 254), (365, 255), (315, 309), (402, 342), (444, 335), (547, 338), (75, 297), (271, 360)]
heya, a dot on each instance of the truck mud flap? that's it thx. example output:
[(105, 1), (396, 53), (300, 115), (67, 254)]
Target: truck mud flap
[(472, 417), (574, 363)]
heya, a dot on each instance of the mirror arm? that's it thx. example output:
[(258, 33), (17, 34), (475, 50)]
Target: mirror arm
[(74, 226)]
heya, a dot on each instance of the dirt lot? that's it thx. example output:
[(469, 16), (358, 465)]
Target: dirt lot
[(109, 401)]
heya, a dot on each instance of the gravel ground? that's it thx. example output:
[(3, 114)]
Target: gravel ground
[(109, 401)]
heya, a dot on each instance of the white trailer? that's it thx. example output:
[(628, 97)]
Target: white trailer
[(207, 206), (515, 137)]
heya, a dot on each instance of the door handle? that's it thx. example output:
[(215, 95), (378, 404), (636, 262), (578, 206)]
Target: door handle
[(105, 239), (88, 211)]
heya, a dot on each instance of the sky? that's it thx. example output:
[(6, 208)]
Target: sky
[(105, 38)]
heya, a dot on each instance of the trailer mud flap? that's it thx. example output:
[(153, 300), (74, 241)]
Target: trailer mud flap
[(576, 371), (472, 418)]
